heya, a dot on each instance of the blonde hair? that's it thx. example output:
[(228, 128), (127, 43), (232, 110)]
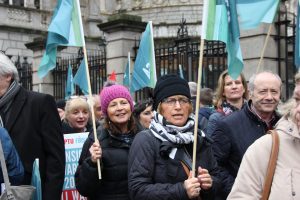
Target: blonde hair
[(286, 109), (76, 103), (220, 98)]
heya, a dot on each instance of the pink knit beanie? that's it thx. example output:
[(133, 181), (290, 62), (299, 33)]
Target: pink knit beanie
[(113, 92)]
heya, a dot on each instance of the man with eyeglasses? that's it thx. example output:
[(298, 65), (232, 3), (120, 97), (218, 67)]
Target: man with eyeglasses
[(34, 126)]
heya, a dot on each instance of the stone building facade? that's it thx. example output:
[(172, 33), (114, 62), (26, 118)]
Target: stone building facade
[(22, 21)]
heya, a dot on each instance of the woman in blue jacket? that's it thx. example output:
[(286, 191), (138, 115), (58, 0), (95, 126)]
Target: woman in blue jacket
[(14, 165)]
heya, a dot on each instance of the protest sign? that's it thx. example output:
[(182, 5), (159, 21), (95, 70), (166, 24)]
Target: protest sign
[(73, 147)]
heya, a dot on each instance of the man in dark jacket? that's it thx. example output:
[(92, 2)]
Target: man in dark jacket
[(235, 133), (206, 108), (34, 126)]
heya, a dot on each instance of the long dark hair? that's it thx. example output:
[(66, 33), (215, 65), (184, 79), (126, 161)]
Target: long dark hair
[(131, 125)]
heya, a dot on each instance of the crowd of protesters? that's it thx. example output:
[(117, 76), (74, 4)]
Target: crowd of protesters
[(146, 148)]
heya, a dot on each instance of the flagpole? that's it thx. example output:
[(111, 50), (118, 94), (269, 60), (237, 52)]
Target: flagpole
[(264, 49), (153, 71), (197, 105), (89, 84)]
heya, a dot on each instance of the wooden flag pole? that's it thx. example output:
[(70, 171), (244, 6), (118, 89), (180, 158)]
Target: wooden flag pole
[(197, 105), (91, 105), (264, 49)]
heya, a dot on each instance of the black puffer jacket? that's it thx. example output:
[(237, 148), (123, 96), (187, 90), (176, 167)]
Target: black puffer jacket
[(153, 176), (114, 162)]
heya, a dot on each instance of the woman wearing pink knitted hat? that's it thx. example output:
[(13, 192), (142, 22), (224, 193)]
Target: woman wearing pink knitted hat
[(115, 137)]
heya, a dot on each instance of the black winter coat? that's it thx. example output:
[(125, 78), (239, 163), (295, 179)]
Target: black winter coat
[(35, 129), (114, 162), (232, 136), (153, 176)]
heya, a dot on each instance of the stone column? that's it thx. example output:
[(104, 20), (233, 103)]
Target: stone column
[(121, 32), (29, 4), (47, 5), (103, 9), (252, 43), (44, 85)]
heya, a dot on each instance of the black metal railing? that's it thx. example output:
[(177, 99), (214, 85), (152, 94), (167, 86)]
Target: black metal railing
[(25, 72), (285, 38), (97, 71), (170, 58), (182, 54)]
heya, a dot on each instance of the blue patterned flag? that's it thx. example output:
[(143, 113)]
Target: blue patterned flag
[(80, 78), (297, 41), (70, 90), (144, 71), (126, 79), (65, 30)]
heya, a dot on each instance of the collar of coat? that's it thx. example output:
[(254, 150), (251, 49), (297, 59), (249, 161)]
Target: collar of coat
[(257, 119), (287, 125)]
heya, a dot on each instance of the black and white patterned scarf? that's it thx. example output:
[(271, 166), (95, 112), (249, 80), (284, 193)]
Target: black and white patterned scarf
[(167, 132), (6, 99)]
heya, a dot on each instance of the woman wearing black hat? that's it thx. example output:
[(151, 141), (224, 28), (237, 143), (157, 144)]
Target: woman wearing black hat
[(160, 158)]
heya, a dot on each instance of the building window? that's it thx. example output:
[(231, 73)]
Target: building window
[(13, 2)]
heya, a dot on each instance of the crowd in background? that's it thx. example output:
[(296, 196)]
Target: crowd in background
[(146, 148)]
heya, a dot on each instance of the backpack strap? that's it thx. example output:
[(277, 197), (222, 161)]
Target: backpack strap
[(271, 165), (10, 195)]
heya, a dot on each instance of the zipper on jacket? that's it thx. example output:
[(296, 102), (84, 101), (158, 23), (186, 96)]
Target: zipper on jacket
[(292, 185)]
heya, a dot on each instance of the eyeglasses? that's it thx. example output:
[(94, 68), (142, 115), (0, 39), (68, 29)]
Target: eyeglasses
[(173, 101)]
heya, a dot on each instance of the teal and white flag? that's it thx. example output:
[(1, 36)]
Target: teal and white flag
[(181, 71), (144, 71), (254, 12), (36, 180), (126, 78), (220, 22), (70, 89), (80, 78), (65, 29)]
